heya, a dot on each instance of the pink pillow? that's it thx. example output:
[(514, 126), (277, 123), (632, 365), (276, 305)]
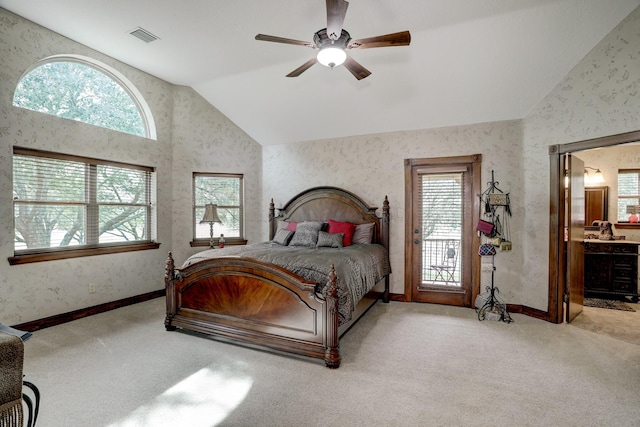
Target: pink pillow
[(347, 228), (292, 226)]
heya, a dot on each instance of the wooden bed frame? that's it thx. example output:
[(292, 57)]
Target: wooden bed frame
[(256, 303)]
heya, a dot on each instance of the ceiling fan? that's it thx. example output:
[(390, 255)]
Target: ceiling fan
[(333, 42)]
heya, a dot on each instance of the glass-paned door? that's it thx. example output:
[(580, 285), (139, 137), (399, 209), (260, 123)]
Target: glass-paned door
[(441, 210)]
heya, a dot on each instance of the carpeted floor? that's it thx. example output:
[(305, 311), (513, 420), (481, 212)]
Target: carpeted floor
[(617, 324), (607, 303), (403, 365)]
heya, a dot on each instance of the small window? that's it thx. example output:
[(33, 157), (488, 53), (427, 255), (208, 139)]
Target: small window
[(226, 192), (77, 89), (65, 203), (628, 193)]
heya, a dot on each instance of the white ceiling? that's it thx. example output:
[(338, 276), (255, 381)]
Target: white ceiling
[(469, 61)]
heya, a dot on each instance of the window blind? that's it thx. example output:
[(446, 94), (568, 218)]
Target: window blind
[(225, 191), (441, 198), (62, 201), (628, 191)]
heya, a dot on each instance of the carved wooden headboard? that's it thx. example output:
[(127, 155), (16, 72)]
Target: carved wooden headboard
[(324, 203)]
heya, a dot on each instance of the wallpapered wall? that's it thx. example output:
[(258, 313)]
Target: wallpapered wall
[(373, 166), (192, 136), (204, 140), (600, 96)]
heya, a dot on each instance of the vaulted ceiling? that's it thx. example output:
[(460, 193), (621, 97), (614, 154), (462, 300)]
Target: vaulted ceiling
[(469, 61)]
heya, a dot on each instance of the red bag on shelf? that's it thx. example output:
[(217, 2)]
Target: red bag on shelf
[(485, 227)]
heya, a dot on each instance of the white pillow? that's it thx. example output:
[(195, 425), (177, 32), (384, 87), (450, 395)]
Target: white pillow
[(363, 234)]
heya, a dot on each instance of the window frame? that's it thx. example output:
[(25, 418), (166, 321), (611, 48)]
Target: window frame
[(118, 78), (229, 241), (626, 222), (91, 248)]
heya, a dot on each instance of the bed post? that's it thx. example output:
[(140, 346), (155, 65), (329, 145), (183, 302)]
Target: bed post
[(272, 220), (170, 296), (332, 352), (385, 242)]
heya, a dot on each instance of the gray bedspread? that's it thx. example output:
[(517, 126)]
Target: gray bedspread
[(358, 267)]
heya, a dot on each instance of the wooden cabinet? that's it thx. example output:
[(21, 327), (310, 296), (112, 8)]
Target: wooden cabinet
[(611, 269), (596, 204)]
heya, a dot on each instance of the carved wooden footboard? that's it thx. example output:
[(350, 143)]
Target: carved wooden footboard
[(253, 302)]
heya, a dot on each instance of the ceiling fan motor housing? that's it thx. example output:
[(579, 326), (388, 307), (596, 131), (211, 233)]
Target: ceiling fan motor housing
[(322, 40)]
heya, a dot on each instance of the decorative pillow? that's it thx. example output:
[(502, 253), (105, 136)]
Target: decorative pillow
[(306, 234), (363, 234), (342, 227), (286, 225), (282, 225), (330, 240), (283, 237)]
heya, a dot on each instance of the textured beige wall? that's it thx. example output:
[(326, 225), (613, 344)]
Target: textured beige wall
[(599, 97), (204, 140), (191, 136), (372, 166)]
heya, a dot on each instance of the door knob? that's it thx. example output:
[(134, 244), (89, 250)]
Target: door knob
[(416, 241)]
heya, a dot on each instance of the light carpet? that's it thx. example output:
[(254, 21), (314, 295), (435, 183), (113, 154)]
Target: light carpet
[(403, 365)]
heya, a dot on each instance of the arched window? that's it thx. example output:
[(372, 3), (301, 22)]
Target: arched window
[(79, 88)]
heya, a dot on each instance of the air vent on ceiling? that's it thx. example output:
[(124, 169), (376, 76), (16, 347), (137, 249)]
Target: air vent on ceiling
[(143, 35)]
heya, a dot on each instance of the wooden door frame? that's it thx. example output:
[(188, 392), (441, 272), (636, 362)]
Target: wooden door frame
[(557, 246), (476, 160)]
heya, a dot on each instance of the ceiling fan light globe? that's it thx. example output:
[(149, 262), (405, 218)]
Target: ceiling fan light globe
[(331, 56)]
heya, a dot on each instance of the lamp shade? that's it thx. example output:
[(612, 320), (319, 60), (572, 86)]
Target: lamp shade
[(210, 214), (331, 56)]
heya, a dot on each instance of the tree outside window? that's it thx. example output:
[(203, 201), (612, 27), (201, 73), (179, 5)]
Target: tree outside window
[(78, 91), (66, 202), (225, 191)]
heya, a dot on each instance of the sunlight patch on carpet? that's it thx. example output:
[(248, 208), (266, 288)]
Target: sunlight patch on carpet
[(204, 399)]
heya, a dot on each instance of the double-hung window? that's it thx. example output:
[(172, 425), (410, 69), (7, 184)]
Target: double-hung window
[(66, 206), (226, 192), (628, 193)]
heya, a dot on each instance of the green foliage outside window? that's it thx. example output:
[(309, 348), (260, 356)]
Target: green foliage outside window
[(441, 205), (76, 91), (60, 203), (224, 191)]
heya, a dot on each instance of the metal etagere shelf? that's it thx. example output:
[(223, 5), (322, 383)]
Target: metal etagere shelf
[(495, 234)]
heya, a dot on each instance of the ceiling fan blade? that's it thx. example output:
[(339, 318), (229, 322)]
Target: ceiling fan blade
[(304, 67), (267, 38), (402, 38), (336, 11), (356, 69)]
